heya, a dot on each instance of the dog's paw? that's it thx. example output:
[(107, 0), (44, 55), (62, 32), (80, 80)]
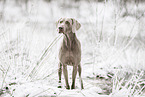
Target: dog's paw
[(73, 87), (59, 87), (67, 87)]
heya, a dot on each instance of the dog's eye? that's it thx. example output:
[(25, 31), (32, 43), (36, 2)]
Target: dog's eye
[(67, 23), (61, 21)]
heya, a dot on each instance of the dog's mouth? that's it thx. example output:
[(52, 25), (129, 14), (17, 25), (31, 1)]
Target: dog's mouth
[(61, 31)]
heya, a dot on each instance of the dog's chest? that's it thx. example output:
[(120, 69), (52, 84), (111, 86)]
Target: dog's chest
[(68, 58), (70, 55)]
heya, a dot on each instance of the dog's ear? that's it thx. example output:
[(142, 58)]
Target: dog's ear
[(58, 22), (78, 25)]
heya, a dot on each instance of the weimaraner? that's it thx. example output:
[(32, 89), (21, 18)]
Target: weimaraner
[(70, 51)]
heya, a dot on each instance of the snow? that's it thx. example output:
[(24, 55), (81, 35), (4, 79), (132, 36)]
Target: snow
[(111, 44)]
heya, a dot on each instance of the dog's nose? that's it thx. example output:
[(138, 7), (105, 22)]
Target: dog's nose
[(60, 28)]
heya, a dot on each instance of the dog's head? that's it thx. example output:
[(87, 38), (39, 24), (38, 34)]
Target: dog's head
[(67, 25)]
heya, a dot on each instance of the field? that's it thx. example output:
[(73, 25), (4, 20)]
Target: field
[(112, 37)]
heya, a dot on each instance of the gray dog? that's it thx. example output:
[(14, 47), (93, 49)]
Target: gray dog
[(70, 51)]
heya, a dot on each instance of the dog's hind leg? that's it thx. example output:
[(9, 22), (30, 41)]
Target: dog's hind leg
[(80, 78), (59, 74)]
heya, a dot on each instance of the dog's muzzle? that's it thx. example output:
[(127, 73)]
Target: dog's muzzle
[(61, 30)]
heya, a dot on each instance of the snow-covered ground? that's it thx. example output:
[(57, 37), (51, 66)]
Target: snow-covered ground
[(113, 48)]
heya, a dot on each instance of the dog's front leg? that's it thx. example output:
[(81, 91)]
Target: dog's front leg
[(66, 76), (74, 77)]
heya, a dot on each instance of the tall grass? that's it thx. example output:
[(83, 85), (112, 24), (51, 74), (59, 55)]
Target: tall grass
[(110, 46), (118, 52)]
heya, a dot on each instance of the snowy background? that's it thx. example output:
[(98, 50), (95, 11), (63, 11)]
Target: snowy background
[(112, 35)]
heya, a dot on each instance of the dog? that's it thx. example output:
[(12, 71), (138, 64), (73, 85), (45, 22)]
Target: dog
[(70, 51)]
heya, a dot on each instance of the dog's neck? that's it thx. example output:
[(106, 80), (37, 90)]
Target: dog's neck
[(69, 39)]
